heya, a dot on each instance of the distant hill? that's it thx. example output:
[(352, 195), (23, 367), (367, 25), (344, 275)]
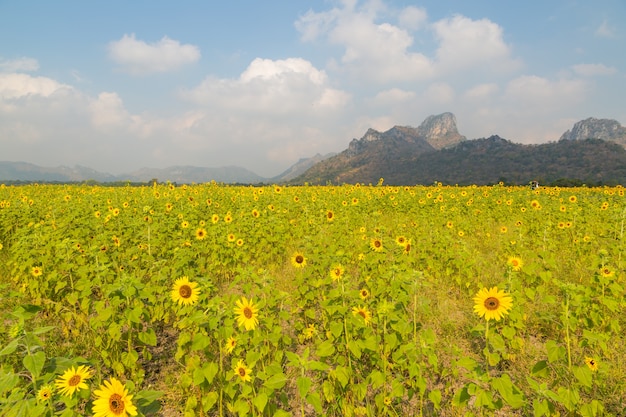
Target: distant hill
[(592, 152)]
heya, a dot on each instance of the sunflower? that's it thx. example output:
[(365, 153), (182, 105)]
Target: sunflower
[(309, 331), (401, 240), (231, 342), (492, 303), (336, 272), (36, 271), (112, 400), (363, 312), (330, 216), (45, 393), (298, 260), (591, 363), (231, 237), (243, 372), (184, 291), (515, 263), (376, 244), (247, 313), (73, 380), (200, 233), (215, 218), (606, 272), (364, 293)]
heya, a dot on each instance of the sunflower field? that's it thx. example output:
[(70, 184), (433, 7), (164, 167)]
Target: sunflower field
[(353, 300)]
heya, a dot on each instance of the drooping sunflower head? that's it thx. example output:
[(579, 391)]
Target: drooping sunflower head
[(298, 260), (591, 363), (492, 303), (243, 372), (363, 313), (247, 313), (185, 292), (72, 380), (230, 345), (112, 400)]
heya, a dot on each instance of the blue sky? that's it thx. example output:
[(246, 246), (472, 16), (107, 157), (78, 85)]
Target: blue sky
[(121, 85)]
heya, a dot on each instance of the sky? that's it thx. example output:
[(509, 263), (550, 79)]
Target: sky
[(121, 85)]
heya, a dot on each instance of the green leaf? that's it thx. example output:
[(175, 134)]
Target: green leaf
[(326, 348), (304, 384), (435, 397), (315, 400), (148, 337), (260, 401), (377, 379), (210, 370), (354, 348), (209, 400), (583, 375), (555, 351), (276, 381), (508, 391), (10, 348), (540, 369), (200, 341), (34, 363), (8, 381), (45, 329)]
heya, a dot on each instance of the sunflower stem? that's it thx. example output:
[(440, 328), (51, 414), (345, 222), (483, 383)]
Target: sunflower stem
[(487, 347), (567, 338)]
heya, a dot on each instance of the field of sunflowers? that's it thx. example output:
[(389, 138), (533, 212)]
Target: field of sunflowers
[(354, 300)]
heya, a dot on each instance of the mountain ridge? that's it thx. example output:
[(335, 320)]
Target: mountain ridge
[(379, 154)]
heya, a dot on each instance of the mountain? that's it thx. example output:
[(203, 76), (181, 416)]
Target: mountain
[(300, 168), (592, 128), (188, 174), (377, 152), (22, 171)]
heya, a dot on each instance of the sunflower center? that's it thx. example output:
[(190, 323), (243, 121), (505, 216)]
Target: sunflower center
[(492, 303), (74, 380), (247, 312), (299, 259), (242, 371), (185, 291), (377, 243), (362, 313), (338, 272), (116, 404)]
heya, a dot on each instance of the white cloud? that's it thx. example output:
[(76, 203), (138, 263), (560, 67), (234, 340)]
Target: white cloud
[(466, 43), (482, 91), (413, 18), (138, 57), (20, 85), (20, 64), (605, 30), (394, 95), (590, 70), (271, 88), (439, 93), (540, 92), (108, 111)]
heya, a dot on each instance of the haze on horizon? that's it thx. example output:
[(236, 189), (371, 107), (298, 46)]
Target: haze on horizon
[(117, 86)]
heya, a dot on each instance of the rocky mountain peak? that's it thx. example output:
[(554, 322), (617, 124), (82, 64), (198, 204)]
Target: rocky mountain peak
[(592, 128), (440, 130)]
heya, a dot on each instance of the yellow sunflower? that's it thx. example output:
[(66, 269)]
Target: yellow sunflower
[(200, 233), (515, 263), (364, 293), (231, 342), (36, 271), (112, 400), (45, 393), (298, 260), (336, 272), (243, 372), (376, 244), (401, 240), (73, 380), (363, 312), (591, 363), (247, 313), (185, 292), (492, 303)]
